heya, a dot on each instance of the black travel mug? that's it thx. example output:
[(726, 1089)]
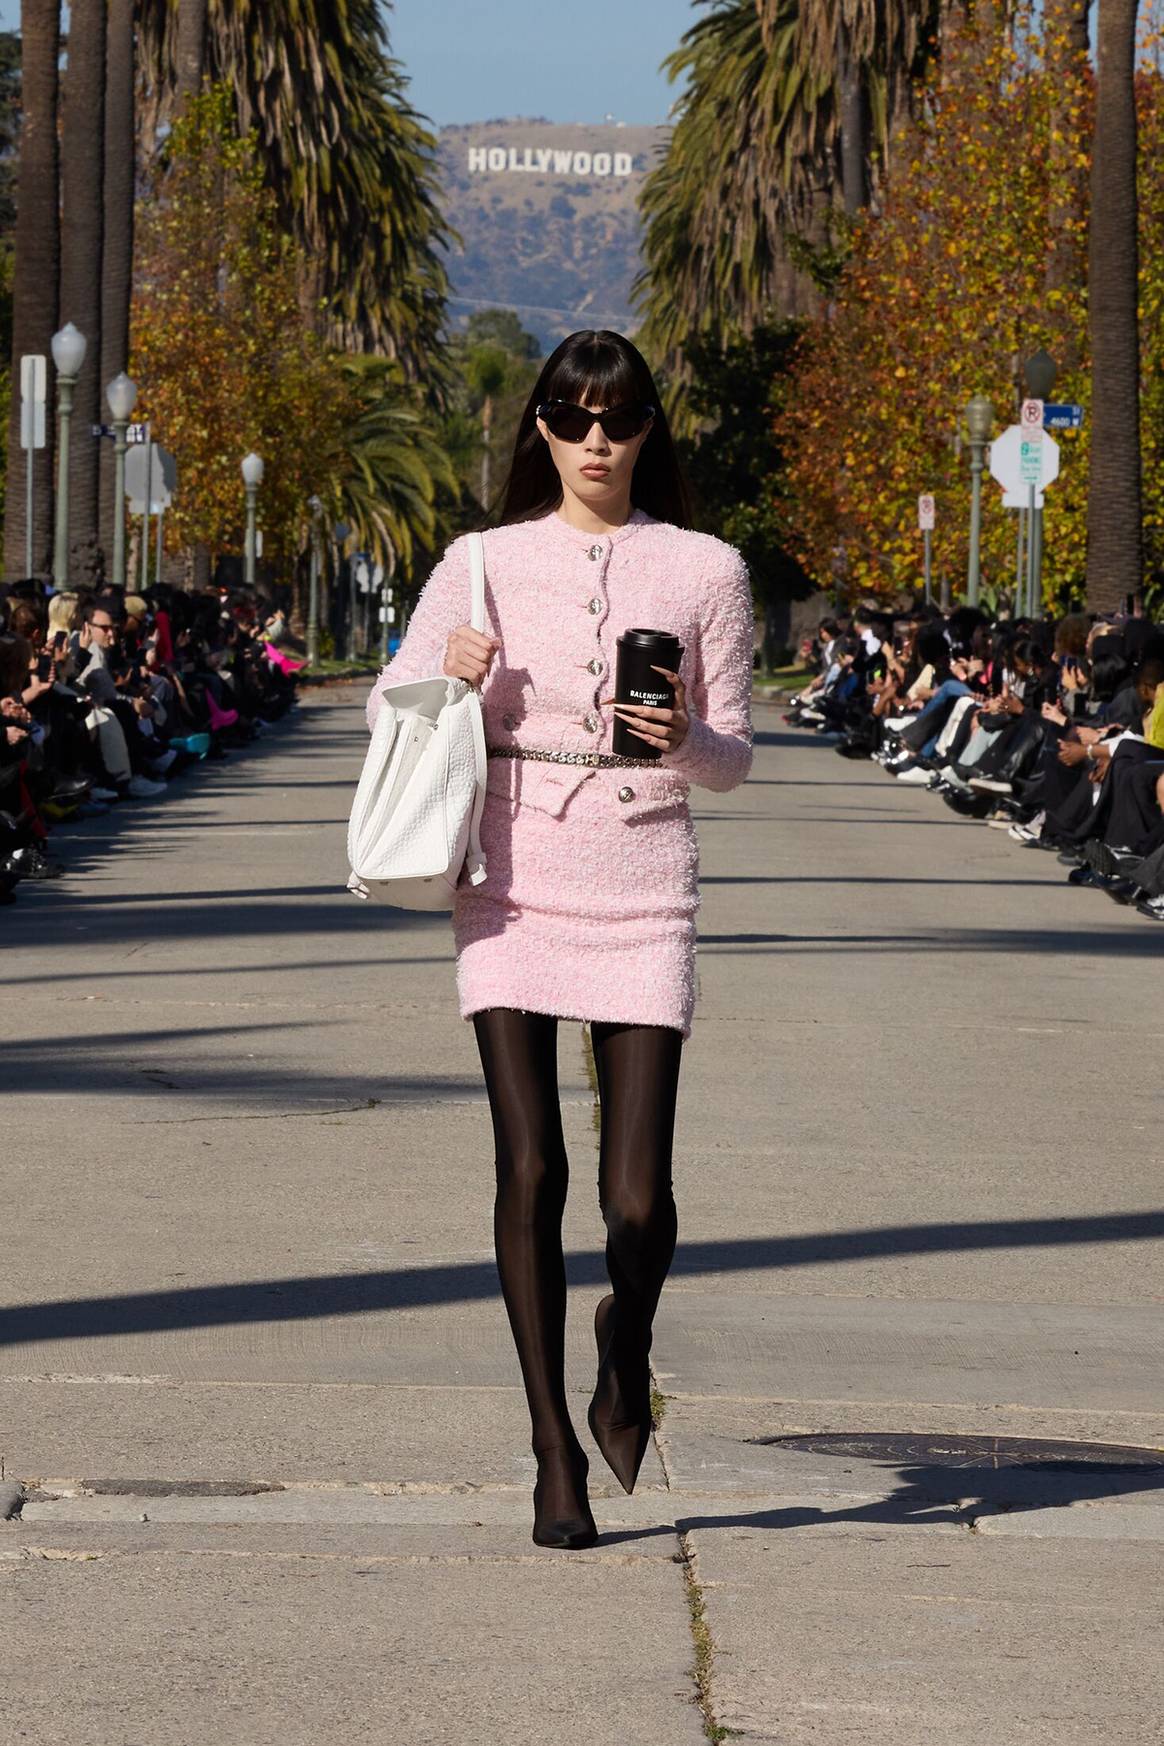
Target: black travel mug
[(639, 652)]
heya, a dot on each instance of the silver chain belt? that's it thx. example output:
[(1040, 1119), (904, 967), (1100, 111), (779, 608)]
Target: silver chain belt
[(596, 760)]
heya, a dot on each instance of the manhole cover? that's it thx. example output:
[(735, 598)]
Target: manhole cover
[(1049, 1455)]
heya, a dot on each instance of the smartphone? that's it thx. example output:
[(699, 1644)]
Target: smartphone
[(44, 666)]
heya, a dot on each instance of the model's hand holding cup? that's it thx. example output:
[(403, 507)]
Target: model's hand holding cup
[(469, 654), (650, 699)]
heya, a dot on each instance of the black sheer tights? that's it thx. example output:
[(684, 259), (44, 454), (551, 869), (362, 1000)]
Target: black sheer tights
[(638, 1077)]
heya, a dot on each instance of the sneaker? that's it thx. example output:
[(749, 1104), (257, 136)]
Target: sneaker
[(1152, 907), (990, 785), (141, 788), (1022, 833), (919, 777), (159, 766), (998, 820), (105, 795)]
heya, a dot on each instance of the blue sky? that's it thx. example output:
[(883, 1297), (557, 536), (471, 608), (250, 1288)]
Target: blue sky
[(570, 60)]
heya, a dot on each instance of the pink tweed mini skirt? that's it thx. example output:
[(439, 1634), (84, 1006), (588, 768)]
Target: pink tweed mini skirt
[(575, 920)]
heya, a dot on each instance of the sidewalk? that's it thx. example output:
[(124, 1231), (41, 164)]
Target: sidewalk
[(256, 1382)]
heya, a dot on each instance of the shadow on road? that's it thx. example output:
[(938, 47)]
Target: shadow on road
[(350, 1294)]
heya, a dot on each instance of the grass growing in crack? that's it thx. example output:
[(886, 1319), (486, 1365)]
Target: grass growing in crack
[(701, 1639), (591, 1080), (658, 1408)]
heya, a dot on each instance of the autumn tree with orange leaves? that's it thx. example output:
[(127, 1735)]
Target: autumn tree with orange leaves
[(976, 262)]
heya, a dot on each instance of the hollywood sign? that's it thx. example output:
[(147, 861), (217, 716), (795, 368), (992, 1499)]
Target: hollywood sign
[(547, 160)]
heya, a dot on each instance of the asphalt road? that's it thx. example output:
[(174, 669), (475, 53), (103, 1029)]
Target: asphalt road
[(259, 1411)]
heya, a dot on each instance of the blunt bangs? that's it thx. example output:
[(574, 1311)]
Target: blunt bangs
[(597, 371)]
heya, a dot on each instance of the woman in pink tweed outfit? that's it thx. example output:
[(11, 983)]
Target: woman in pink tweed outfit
[(588, 908)]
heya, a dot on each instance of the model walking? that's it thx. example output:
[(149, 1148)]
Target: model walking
[(588, 908)]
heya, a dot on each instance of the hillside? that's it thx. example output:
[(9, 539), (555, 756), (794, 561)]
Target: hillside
[(548, 220)]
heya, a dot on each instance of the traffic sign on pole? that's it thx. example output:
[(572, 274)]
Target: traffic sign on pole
[(1031, 416), (1014, 457), (33, 385)]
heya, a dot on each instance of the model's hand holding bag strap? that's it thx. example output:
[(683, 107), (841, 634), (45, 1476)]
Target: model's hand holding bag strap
[(416, 818)]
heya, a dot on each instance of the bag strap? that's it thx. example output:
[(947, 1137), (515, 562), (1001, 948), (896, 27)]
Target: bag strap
[(477, 580), (476, 857)]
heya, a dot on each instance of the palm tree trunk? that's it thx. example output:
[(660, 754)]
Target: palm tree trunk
[(191, 48), (34, 291), (82, 225), (1114, 526), (1066, 46), (854, 131), (117, 252)]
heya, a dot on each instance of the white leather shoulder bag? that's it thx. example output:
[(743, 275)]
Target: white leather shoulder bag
[(416, 820)]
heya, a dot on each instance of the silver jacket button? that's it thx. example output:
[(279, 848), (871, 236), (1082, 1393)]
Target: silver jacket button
[(626, 794), (594, 667), (596, 552), (592, 724), (509, 722), (596, 605)]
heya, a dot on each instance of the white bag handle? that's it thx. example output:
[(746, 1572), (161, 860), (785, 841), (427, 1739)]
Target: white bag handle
[(476, 856), (477, 580)]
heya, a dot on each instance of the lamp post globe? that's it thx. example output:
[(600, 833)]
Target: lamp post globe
[(68, 348), (122, 397), (979, 422), (252, 472)]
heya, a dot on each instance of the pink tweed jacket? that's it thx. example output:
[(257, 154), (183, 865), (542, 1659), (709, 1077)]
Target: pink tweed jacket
[(558, 599)]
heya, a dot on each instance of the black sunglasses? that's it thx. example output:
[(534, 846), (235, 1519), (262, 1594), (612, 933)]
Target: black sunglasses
[(572, 424)]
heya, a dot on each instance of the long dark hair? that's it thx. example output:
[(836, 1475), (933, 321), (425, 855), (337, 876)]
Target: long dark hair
[(607, 370)]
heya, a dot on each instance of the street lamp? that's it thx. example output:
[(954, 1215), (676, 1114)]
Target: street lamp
[(68, 348), (122, 397), (979, 419), (252, 472), (315, 505)]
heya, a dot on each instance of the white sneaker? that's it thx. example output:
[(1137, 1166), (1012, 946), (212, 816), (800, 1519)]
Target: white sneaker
[(106, 795), (918, 778), (141, 788), (160, 765)]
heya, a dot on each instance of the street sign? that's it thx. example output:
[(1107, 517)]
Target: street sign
[(33, 380), (150, 471), (1031, 458), (1062, 416), (926, 512), (134, 433), (1013, 468), (1031, 416)]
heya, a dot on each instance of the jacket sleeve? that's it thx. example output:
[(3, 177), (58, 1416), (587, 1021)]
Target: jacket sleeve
[(444, 603), (717, 750)]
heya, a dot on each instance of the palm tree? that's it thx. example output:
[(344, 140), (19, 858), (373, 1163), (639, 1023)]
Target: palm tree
[(1114, 517), (750, 136), (117, 248), (349, 161), (384, 478), (487, 371), (34, 294), (82, 219), (768, 132), (873, 49)]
